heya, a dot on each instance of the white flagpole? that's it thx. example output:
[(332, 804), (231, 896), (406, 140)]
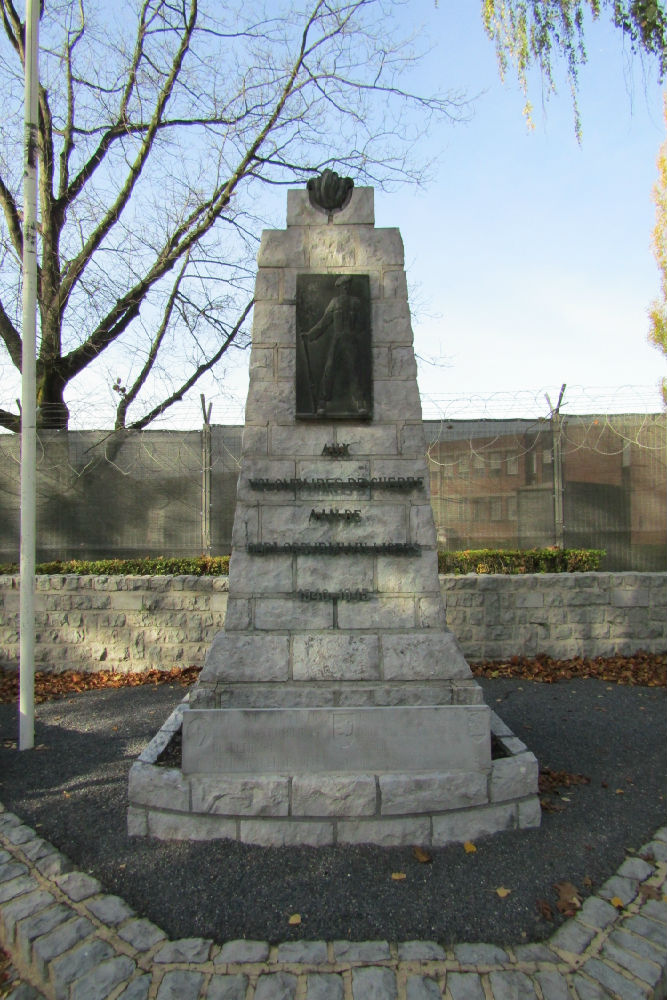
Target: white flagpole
[(28, 385)]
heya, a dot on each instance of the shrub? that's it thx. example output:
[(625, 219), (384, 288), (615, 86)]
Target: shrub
[(509, 561), (515, 561), (158, 566)]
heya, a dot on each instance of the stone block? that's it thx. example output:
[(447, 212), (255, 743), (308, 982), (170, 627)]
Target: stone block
[(361, 951), (349, 572), (380, 439), (23, 906), (184, 826), (335, 657), (422, 656), (267, 284), (282, 248), (379, 247), (333, 795), (247, 657), (100, 981), (238, 616), (286, 363), (255, 441), (408, 575), (324, 986), (402, 794), (256, 574), (330, 248), (392, 396), (392, 326), (302, 951), (478, 822), (272, 614), (185, 950), (513, 777), (158, 787), (392, 832), (181, 984), (403, 364), (378, 612), (271, 402), (242, 950), (257, 795), (286, 833), (37, 925), (71, 966), (357, 740), (63, 937), (431, 613), (300, 440), (262, 363), (529, 813)]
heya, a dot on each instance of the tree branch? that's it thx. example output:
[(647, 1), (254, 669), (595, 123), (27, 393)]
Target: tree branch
[(12, 218), (130, 396), (177, 396), (76, 266), (10, 421), (11, 338)]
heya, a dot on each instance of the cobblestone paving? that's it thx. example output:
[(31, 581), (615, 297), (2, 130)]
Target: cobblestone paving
[(70, 941)]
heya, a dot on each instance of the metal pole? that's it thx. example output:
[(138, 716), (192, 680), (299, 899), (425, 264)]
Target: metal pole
[(206, 478), (28, 386), (556, 426)]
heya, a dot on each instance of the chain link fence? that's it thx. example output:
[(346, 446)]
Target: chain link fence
[(572, 481), (590, 481)]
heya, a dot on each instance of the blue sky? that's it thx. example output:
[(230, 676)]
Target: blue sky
[(530, 255)]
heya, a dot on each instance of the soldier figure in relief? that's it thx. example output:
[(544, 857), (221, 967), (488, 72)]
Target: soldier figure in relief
[(344, 318)]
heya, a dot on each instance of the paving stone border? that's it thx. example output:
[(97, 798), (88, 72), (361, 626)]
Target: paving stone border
[(71, 941)]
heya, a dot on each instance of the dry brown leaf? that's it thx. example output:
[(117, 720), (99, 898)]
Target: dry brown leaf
[(568, 898), (617, 902), (398, 876), (295, 919), (545, 910), (422, 856), (469, 847), (503, 892), (649, 892)]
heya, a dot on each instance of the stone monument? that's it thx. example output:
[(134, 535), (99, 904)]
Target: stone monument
[(335, 706)]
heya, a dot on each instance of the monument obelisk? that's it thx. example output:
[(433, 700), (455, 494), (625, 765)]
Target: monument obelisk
[(336, 706)]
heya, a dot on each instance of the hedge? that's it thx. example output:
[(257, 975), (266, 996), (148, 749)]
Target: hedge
[(516, 561), (508, 561)]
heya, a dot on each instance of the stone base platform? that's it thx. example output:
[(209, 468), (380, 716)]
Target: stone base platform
[(428, 807)]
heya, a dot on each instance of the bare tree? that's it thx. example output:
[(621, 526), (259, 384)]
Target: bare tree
[(155, 132)]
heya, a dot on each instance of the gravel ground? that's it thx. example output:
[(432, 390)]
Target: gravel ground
[(72, 788)]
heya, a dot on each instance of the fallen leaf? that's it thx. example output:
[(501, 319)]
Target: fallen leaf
[(66, 795), (649, 892), (503, 892), (422, 856), (620, 791), (469, 847), (587, 881), (398, 876), (295, 919), (568, 898), (545, 910), (617, 902)]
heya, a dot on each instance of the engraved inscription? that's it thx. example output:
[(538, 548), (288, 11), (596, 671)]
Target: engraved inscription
[(331, 483), (333, 514), (334, 548), (336, 450), (333, 595)]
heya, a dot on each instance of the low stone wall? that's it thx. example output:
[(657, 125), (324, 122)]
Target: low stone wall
[(134, 623)]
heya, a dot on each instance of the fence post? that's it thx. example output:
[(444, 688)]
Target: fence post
[(206, 459), (557, 465)]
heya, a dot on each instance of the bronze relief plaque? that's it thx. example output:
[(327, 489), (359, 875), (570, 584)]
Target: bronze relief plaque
[(334, 373)]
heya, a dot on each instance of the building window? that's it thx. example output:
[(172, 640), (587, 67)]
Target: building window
[(496, 505), (512, 465)]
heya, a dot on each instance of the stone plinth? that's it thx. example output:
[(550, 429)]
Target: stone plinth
[(335, 689)]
